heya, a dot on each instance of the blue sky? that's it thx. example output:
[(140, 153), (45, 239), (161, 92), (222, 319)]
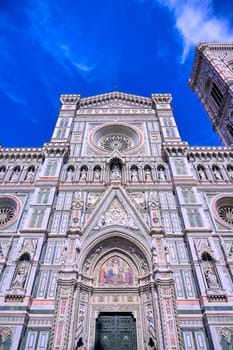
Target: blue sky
[(90, 47)]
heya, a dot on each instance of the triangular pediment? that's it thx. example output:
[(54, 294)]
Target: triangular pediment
[(116, 100), (116, 209)]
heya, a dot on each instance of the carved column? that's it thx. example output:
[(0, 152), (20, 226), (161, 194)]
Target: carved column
[(165, 289), (66, 287)]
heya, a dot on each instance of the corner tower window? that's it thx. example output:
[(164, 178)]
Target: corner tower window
[(216, 95)]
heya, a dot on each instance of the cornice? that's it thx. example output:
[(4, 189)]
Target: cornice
[(21, 153), (116, 96), (70, 99), (175, 149), (56, 149), (161, 98), (210, 152)]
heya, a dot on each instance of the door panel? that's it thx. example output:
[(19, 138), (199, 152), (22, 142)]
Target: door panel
[(115, 331)]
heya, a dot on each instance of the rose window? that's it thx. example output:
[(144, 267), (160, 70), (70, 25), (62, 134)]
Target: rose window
[(226, 214), (116, 142), (222, 206), (116, 137), (9, 209), (6, 214)]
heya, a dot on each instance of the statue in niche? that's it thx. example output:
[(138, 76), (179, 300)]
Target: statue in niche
[(2, 173), (30, 175), (83, 175), (230, 171), (21, 275), (202, 174), (70, 174), (134, 175), (217, 174), (147, 172), (5, 338), (211, 278), (97, 174), (116, 172), (15, 174), (161, 173)]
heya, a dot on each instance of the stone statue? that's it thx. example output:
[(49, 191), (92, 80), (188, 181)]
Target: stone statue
[(69, 174), (161, 173), (29, 175), (21, 275), (211, 278), (83, 175), (134, 175), (148, 176), (202, 174), (115, 172), (97, 173), (217, 174), (2, 173), (15, 175)]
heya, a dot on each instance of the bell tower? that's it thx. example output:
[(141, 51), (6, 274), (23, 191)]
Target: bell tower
[(212, 81)]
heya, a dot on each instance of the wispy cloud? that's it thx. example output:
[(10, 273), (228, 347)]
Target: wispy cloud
[(196, 21), (12, 94), (64, 47)]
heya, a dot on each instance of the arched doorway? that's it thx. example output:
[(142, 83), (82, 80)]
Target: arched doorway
[(116, 295)]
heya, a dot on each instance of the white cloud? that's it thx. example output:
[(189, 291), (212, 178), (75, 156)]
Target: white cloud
[(196, 22), (12, 92), (56, 40)]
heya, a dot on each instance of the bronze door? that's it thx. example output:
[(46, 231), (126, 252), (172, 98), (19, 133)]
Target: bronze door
[(116, 331)]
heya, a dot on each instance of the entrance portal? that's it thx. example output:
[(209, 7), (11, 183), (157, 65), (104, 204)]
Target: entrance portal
[(116, 331)]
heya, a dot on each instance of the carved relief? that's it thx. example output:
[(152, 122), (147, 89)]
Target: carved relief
[(92, 199), (116, 215), (5, 337), (139, 199)]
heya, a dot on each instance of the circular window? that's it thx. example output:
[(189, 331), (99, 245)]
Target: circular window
[(226, 213), (116, 137), (9, 208), (115, 142), (223, 209)]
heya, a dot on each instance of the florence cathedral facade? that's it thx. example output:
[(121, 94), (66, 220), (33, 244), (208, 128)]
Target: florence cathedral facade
[(117, 234)]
